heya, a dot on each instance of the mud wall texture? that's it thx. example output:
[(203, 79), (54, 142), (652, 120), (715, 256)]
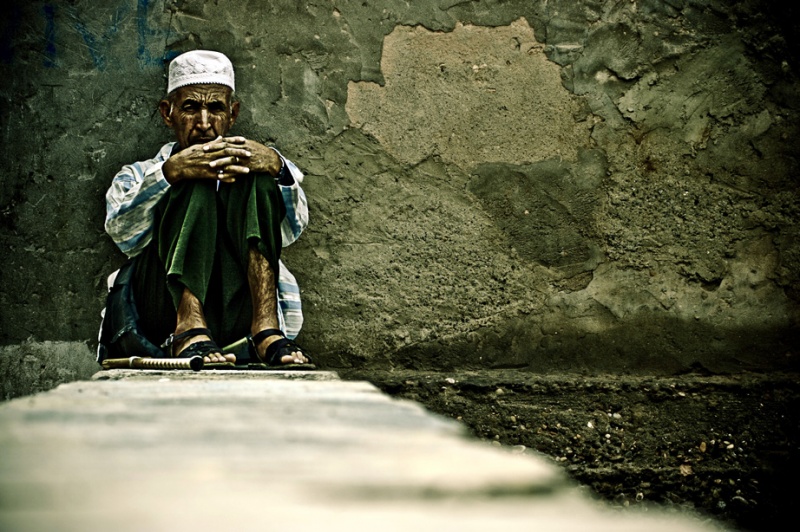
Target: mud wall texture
[(555, 185)]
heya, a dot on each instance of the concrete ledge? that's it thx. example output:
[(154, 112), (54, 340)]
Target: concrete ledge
[(265, 451)]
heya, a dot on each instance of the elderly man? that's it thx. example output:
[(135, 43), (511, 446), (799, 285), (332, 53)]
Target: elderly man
[(206, 219)]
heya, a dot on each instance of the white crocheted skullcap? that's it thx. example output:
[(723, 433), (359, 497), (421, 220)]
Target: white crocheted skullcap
[(200, 66)]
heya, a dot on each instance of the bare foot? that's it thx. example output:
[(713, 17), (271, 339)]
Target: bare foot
[(190, 316), (180, 346), (296, 357), (263, 283)]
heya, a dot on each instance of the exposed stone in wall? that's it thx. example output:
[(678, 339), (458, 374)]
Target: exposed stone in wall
[(633, 207), (472, 95)]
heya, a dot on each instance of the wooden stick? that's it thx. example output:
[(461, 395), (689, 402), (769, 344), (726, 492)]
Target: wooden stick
[(194, 363)]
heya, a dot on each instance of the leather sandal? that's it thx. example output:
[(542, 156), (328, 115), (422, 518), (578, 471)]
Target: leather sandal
[(279, 349), (202, 348)]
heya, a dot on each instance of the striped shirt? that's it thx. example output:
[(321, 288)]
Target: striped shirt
[(130, 216)]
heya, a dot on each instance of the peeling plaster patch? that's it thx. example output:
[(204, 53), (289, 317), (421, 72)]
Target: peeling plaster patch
[(474, 95)]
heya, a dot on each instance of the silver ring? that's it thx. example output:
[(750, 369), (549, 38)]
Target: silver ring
[(219, 173)]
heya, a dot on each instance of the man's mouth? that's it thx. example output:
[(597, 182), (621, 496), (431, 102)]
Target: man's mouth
[(201, 140)]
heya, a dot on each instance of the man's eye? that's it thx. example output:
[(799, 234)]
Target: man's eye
[(216, 107), (189, 108)]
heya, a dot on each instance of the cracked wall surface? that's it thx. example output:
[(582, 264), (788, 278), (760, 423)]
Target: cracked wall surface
[(548, 185)]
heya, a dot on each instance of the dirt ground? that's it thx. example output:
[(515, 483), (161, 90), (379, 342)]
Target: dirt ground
[(722, 446)]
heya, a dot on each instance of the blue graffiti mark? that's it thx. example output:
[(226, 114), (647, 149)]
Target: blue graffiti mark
[(97, 58), (169, 55), (98, 43), (147, 35), (49, 36)]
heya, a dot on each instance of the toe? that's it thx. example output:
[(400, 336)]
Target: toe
[(216, 358), (294, 358)]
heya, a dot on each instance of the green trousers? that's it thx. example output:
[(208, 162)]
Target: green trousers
[(201, 241)]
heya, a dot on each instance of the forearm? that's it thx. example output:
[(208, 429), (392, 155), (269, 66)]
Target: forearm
[(170, 172)]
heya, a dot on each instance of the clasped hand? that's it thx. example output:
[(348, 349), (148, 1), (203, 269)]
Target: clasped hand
[(222, 159)]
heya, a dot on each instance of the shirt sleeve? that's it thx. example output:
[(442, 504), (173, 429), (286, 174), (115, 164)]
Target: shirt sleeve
[(290, 309), (294, 199), (131, 201)]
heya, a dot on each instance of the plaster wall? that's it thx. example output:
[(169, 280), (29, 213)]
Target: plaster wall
[(549, 185)]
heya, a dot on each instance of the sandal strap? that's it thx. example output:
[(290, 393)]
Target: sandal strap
[(202, 348), (277, 349), (266, 333), (172, 338), (272, 355)]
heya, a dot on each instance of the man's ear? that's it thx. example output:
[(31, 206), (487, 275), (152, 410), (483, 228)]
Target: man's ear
[(234, 113), (164, 107)]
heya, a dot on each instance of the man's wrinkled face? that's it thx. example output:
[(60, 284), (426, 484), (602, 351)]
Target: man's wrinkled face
[(199, 113)]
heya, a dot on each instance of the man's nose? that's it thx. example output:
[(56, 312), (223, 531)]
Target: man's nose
[(202, 120)]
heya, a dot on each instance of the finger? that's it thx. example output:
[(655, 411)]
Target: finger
[(237, 169), (238, 152), (216, 145), (225, 176), (225, 161), (221, 162), (235, 140)]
